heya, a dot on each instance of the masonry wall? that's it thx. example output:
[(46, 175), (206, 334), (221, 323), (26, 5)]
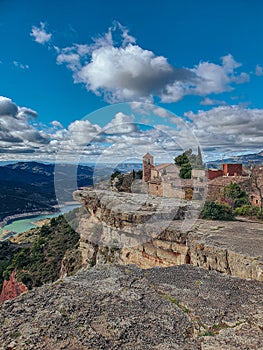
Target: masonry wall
[(213, 174), (156, 189), (232, 169), (147, 171)]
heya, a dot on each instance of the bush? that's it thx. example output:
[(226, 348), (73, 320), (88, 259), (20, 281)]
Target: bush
[(247, 210), (216, 211)]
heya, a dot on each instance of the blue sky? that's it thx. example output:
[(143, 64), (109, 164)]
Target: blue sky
[(201, 59)]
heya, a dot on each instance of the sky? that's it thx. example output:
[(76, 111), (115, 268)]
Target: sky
[(107, 76)]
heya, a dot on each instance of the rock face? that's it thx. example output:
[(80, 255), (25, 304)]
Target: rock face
[(149, 231), (124, 307), (12, 288)]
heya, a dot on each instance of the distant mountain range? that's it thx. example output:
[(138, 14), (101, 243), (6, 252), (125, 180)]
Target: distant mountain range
[(27, 187), (246, 159)]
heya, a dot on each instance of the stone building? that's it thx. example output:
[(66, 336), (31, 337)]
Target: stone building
[(164, 180), (227, 170), (232, 170), (147, 166)]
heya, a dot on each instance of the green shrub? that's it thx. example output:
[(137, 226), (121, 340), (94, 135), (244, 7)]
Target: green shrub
[(247, 210), (216, 211)]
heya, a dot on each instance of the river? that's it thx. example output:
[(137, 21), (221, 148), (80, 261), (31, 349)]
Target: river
[(24, 224)]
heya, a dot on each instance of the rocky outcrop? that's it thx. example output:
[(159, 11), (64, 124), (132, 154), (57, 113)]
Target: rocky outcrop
[(12, 288), (124, 307), (71, 263), (149, 231)]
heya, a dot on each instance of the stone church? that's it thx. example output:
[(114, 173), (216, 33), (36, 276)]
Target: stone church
[(164, 180)]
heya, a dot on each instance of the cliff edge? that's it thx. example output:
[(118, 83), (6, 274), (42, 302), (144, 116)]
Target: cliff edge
[(152, 231)]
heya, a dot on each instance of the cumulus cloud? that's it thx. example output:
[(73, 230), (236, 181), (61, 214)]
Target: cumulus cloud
[(40, 34), (221, 129), (20, 133), (115, 67), (121, 124), (81, 132), (228, 128), (17, 134)]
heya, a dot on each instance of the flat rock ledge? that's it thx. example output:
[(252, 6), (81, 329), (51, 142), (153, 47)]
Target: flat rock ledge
[(125, 307), (147, 231)]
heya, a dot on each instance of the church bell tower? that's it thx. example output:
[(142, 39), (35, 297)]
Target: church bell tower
[(147, 165)]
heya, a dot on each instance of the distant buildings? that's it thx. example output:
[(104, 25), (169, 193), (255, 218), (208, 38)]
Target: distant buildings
[(228, 170), (164, 180)]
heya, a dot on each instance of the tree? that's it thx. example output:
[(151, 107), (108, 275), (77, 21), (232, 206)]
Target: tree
[(183, 158), (235, 196), (183, 161), (186, 171), (187, 161), (115, 174)]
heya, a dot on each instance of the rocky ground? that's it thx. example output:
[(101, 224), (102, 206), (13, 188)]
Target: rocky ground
[(124, 307)]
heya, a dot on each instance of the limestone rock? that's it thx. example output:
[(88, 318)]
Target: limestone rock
[(124, 307), (148, 232)]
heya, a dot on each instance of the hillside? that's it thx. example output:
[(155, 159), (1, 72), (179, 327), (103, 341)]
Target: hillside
[(41, 255)]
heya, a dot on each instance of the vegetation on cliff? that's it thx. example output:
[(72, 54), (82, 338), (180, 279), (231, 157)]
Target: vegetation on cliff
[(7, 252), (40, 261), (234, 202)]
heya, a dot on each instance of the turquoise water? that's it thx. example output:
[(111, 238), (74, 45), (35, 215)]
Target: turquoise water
[(25, 224)]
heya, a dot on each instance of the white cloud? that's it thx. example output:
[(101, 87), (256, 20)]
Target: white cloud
[(228, 128), (81, 132), (121, 124), (211, 102), (40, 34), (20, 65), (221, 129), (259, 70), (115, 67), (17, 134), (56, 124)]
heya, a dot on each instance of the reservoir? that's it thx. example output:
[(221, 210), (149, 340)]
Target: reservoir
[(26, 223)]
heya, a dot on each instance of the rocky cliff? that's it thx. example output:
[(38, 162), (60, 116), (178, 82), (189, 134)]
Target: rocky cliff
[(152, 231), (124, 307)]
